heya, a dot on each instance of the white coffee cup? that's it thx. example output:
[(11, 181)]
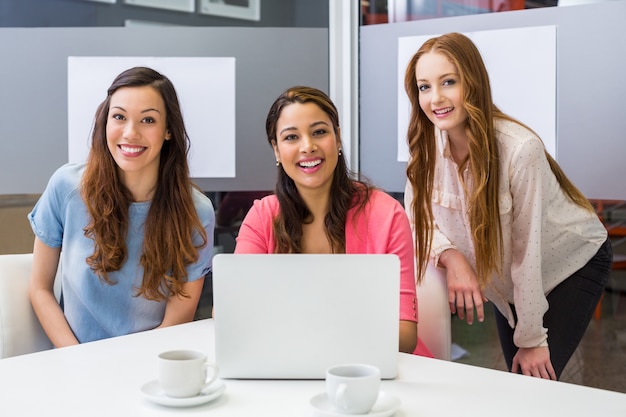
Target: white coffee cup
[(184, 373), (352, 388)]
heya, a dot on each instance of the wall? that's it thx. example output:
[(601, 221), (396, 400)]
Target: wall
[(590, 63), (16, 235), (33, 81)]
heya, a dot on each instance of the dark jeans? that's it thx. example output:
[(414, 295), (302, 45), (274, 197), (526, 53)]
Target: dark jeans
[(571, 306)]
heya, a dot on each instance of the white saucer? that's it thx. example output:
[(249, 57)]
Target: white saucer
[(386, 405), (153, 392)]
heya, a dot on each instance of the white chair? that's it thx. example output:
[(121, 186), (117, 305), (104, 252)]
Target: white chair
[(435, 320), (20, 331)]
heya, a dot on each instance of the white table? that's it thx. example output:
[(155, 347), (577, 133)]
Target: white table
[(104, 379)]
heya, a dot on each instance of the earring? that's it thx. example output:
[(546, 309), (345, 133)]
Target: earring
[(277, 163), (339, 151)]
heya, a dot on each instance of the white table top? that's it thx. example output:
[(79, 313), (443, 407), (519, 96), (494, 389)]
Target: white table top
[(104, 378)]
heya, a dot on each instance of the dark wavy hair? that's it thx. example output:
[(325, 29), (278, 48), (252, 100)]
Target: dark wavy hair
[(346, 190), (172, 220), (484, 168)]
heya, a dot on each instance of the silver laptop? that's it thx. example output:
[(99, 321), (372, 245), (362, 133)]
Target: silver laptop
[(291, 316)]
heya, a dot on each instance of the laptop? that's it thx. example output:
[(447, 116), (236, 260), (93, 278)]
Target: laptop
[(292, 316)]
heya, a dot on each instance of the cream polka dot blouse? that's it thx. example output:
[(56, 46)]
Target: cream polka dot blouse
[(546, 236)]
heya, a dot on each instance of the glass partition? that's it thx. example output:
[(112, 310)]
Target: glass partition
[(115, 13)]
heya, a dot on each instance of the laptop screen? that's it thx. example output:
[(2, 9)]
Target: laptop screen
[(291, 316)]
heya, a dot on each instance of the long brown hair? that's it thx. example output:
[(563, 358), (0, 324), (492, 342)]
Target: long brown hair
[(346, 192), (172, 220), (483, 156)]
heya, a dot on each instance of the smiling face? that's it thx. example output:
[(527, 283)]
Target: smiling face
[(136, 130), (307, 146), (441, 93)]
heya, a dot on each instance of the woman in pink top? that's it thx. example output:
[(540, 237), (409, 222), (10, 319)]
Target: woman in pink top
[(319, 208)]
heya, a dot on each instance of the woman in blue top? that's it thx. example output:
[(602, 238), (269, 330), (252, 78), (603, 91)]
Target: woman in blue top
[(134, 234)]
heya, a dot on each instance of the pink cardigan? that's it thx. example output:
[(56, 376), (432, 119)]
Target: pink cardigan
[(382, 227)]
